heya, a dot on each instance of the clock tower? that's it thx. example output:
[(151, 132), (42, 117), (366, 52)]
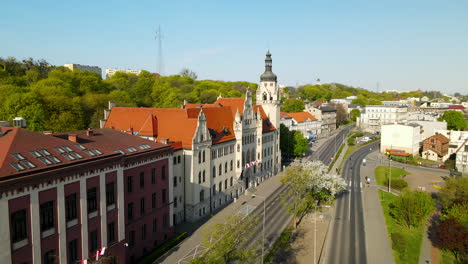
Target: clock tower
[(268, 93)]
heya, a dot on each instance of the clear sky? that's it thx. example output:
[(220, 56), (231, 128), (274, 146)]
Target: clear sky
[(402, 45)]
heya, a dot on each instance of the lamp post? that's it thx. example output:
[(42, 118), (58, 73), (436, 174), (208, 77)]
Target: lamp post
[(263, 229)]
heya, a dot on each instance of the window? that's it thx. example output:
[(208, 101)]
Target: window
[(49, 257), (199, 177), (165, 221), (202, 195), (220, 188), (203, 156), (225, 167), (110, 194), (142, 180), (110, 232), (153, 200), (93, 241), (155, 225), (232, 162), (47, 215), (214, 189), (175, 202), (131, 240), (18, 225), (73, 251), (174, 160), (163, 172), (143, 232), (153, 176), (164, 196), (129, 184), (70, 207), (231, 181), (238, 164), (225, 184), (130, 211), (220, 169), (238, 148), (199, 157), (178, 159), (92, 200), (142, 206), (175, 181), (214, 171)]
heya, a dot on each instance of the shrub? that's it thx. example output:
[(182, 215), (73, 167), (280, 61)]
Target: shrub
[(399, 243), (163, 249), (411, 208), (397, 184)]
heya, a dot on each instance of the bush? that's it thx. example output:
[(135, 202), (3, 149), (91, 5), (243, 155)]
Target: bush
[(163, 249), (399, 243), (411, 208), (397, 184)]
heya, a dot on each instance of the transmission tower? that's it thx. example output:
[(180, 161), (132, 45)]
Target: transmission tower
[(160, 63)]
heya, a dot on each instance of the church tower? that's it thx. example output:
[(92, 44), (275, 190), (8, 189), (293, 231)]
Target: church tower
[(268, 93)]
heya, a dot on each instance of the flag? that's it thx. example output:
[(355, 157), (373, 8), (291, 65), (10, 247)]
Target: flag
[(103, 250), (97, 255)]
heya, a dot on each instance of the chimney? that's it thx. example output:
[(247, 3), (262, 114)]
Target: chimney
[(164, 140), (111, 104), (72, 137), (89, 132)]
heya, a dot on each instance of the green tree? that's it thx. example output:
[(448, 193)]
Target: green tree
[(300, 143), (354, 114), (359, 101), (293, 105), (225, 241), (454, 191), (411, 208), (286, 140), (188, 73), (458, 211), (453, 236), (454, 119)]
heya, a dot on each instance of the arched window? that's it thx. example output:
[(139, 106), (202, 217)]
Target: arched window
[(202, 195), (220, 169), (203, 156), (199, 157), (225, 184), (214, 171), (231, 164), (203, 175), (225, 167), (214, 189), (231, 181), (220, 186), (199, 177)]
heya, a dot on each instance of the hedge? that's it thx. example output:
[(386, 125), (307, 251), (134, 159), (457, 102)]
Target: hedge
[(148, 259)]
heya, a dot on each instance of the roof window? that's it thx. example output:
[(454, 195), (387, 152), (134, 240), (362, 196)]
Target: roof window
[(28, 164), (118, 151), (44, 152), (80, 146), (59, 149), (68, 156), (35, 154), (67, 148), (131, 149), (97, 152), (54, 159), (46, 161), (144, 146), (76, 155), (17, 166), (89, 152), (18, 156)]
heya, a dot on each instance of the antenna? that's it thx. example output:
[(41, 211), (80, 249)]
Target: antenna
[(160, 64)]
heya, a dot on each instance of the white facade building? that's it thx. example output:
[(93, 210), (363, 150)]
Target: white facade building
[(94, 69), (302, 121), (110, 72), (401, 137), (374, 116), (458, 144)]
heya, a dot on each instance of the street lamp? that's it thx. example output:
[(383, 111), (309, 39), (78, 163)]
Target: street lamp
[(263, 229)]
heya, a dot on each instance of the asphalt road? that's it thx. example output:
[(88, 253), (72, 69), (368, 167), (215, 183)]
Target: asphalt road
[(348, 243), (276, 215)]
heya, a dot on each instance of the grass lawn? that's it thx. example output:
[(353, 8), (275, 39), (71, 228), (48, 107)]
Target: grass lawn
[(447, 257), (350, 150), (412, 236), (382, 171)]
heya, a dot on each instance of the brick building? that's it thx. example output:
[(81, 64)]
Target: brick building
[(64, 196), (436, 148)]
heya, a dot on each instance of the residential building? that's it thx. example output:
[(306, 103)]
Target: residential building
[(224, 148), (436, 148), (458, 145), (375, 116), (401, 137), (110, 72), (328, 120), (94, 69), (354, 106), (429, 128), (302, 121), (65, 196), (398, 103)]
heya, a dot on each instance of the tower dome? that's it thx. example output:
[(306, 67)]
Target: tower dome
[(268, 75)]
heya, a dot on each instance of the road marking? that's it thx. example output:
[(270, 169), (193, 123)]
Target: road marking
[(360, 184), (349, 183)]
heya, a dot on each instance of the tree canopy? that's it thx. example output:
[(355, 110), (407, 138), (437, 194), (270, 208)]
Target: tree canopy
[(292, 142), (354, 114), (293, 105), (57, 99), (454, 119)]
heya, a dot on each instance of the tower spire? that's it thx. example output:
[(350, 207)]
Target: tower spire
[(268, 75)]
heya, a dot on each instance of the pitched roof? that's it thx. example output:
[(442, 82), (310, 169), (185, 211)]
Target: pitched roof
[(186, 106), (267, 126), (460, 107), (300, 116), (234, 103)]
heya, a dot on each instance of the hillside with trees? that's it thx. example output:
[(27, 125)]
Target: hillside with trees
[(57, 99)]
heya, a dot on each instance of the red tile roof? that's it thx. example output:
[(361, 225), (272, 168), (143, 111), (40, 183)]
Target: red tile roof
[(459, 107), (200, 105), (234, 103), (299, 116)]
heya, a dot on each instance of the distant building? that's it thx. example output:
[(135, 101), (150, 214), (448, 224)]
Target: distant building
[(374, 116), (458, 145), (110, 72), (436, 148), (302, 121), (401, 137), (429, 128), (94, 69), (328, 120)]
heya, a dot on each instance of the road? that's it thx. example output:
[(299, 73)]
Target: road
[(276, 216), (348, 243)]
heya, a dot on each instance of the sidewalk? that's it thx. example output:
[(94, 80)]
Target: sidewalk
[(378, 245), (189, 246)]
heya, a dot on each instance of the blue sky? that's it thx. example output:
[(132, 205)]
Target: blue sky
[(402, 45)]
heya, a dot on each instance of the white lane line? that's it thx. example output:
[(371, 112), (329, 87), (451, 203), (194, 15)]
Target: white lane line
[(349, 207), (349, 183), (360, 184)]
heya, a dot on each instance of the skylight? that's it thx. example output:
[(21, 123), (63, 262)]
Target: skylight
[(76, 155), (28, 164), (17, 166), (68, 156), (59, 149), (89, 152), (44, 152), (80, 146), (131, 149), (96, 151), (55, 159), (144, 146), (35, 154), (118, 151), (67, 148), (18, 156), (46, 161)]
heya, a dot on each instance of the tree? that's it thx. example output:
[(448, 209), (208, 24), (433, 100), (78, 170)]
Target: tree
[(454, 191), (185, 72), (341, 113), (359, 101), (411, 208), (293, 105), (225, 242), (458, 211), (454, 119), (309, 184), (453, 236), (286, 140), (354, 114), (300, 143)]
